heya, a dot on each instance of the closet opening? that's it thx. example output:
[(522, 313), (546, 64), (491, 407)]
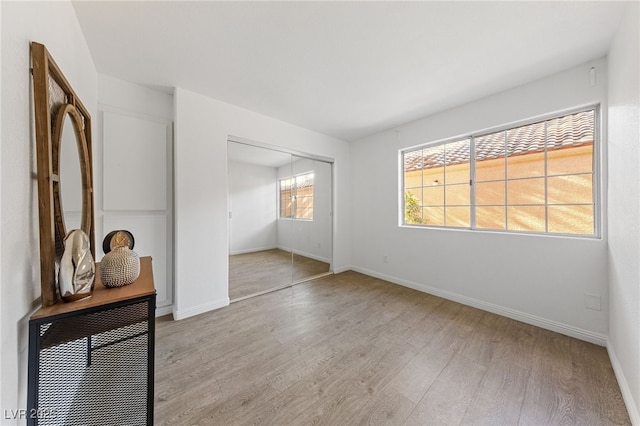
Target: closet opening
[(280, 217)]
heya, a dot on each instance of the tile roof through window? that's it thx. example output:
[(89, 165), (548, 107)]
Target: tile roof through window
[(561, 132)]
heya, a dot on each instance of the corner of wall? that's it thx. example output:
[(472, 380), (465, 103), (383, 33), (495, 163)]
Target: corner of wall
[(623, 138), (1, 318), (627, 395), (56, 25)]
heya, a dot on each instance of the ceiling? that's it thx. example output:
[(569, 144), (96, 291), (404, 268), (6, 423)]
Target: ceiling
[(345, 69)]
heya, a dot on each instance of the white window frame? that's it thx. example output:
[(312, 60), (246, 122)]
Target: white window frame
[(294, 205), (596, 173)]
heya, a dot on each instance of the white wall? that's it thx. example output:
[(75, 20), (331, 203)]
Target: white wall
[(624, 209), (2, 332), (537, 279), (309, 238), (133, 159), (55, 25), (253, 203), (201, 128)]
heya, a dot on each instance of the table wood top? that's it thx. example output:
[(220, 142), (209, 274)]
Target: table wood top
[(143, 286)]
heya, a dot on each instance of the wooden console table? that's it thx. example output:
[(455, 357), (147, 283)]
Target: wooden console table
[(91, 362)]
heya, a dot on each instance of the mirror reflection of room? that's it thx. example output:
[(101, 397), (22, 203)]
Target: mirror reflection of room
[(280, 219), (70, 177), (309, 203)]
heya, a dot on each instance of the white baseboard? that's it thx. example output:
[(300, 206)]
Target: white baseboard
[(251, 250), (340, 269), (569, 330), (305, 254), (164, 310), (179, 314), (632, 408)]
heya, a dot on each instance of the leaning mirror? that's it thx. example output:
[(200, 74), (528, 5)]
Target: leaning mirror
[(65, 175)]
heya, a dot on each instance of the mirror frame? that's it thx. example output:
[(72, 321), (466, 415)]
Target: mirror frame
[(54, 100)]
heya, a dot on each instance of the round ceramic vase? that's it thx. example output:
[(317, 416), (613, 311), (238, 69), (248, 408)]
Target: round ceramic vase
[(119, 267)]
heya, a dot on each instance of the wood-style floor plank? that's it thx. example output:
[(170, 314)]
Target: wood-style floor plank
[(417, 376), (499, 396), (385, 408), (351, 349), (549, 394), (450, 395)]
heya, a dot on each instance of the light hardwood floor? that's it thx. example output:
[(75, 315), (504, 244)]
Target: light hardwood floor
[(256, 272), (351, 349)]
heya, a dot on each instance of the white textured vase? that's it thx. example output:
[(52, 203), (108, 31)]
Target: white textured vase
[(119, 267)]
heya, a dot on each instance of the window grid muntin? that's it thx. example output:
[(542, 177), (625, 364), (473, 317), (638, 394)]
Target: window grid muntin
[(506, 184), (466, 182), (444, 185), (594, 173), (472, 186), (285, 198), (546, 179)]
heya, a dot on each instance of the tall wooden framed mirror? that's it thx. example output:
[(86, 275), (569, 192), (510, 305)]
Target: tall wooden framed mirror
[(64, 165)]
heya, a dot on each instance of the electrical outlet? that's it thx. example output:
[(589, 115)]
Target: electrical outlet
[(593, 301), (384, 259), (318, 245)]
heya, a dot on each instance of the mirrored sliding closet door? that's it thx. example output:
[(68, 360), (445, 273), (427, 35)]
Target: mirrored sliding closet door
[(311, 223), (280, 218)]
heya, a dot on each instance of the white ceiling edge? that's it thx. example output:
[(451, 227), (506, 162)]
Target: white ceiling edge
[(344, 69)]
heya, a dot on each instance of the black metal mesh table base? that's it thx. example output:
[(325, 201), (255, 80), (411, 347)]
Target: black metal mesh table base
[(92, 368)]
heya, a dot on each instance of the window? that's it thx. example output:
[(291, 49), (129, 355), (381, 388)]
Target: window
[(296, 197), (538, 177)]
